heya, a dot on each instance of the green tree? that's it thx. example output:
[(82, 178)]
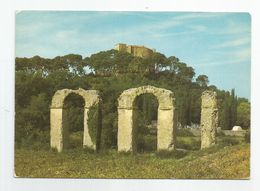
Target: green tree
[(243, 114), (202, 80)]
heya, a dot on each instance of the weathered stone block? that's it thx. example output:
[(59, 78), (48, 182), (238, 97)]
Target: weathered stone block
[(209, 118), (166, 130), (125, 130), (56, 129)]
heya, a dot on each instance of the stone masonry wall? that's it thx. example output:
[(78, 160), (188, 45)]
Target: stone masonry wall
[(139, 51)]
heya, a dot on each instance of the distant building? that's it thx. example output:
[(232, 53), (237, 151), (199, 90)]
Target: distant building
[(139, 51)]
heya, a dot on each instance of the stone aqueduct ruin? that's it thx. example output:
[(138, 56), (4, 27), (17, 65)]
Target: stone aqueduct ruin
[(126, 118), (166, 125), (59, 129)]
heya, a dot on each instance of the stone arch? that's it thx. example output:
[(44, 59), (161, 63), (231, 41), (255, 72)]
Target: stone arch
[(58, 120), (166, 126)]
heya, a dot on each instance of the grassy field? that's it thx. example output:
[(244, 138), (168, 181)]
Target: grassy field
[(227, 160)]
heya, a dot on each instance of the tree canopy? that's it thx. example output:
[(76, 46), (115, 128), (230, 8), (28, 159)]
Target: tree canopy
[(111, 72)]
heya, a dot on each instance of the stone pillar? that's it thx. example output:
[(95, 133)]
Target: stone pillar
[(209, 119), (56, 128), (87, 141), (166, 135), (125, 130), (166, 129)]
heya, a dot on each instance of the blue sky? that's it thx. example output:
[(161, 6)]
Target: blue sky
[(215, 44)]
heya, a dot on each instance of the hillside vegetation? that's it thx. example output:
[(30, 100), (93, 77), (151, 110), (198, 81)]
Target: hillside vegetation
[(111, 72)]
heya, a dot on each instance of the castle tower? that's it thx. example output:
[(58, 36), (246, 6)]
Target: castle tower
[(120, 47), (138, 51)]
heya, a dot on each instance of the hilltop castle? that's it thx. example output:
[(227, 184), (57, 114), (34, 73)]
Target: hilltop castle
[(140, 51)]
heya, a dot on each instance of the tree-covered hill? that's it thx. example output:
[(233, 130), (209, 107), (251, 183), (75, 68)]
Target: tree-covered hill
[(111, 72)]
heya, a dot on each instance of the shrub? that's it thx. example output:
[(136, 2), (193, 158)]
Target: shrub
[(36, 140), (109, 130), (228, 141), (31, 120), (93, 124), (247, 137), (189, 143), (183, 132), (76, 140), (146, 143)]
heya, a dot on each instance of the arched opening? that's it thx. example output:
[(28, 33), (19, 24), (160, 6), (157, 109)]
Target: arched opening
[(73, 109), (59, 118), (145, 122), (166, 123)]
